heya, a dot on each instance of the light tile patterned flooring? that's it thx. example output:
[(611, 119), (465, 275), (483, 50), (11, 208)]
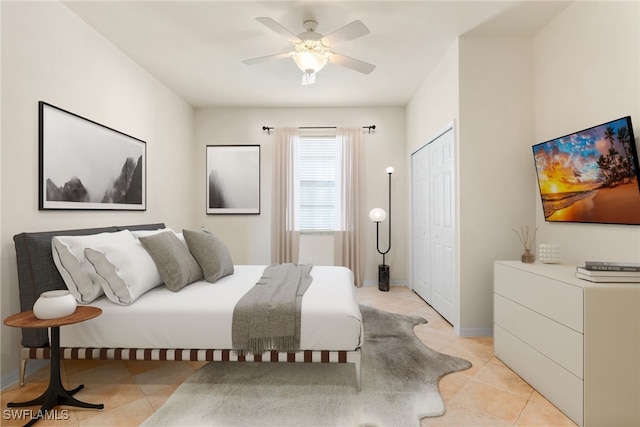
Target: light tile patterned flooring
[(487, 394)]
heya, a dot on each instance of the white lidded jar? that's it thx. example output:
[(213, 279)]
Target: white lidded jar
[(54, 304)]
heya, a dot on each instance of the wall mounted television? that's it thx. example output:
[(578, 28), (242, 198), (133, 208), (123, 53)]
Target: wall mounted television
[(591, 176)]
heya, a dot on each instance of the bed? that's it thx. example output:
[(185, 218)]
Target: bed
[(193, 323)]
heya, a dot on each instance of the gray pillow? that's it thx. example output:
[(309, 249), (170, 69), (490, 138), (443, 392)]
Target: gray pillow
[(175, 263), (212, 255)]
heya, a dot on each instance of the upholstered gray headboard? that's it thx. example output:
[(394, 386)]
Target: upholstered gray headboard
[(37, 272)]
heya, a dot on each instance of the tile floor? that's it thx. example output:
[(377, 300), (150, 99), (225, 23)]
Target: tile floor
[(488, 394)]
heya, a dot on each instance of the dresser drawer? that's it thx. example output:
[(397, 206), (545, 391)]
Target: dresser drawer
[(554, 299), (560, 386), (554, 340)]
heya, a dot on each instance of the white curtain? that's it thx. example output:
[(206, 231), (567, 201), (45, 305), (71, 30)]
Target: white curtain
[(284, 239), (350, 142)]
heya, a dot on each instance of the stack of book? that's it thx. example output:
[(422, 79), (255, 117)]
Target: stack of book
[(609, 272)]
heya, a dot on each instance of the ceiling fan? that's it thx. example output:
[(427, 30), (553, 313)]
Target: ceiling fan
[(312, 50)]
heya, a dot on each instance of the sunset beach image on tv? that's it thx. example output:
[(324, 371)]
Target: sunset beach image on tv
[(590, 176)]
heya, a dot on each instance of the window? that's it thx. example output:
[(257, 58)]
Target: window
[(317, 181)]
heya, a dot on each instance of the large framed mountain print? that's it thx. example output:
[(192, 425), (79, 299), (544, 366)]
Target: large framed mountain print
[(86, 165)]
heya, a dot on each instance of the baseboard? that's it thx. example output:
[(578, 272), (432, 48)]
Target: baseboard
[(473, 332), (12, 377)]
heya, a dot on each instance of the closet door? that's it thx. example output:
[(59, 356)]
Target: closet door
[(420, 223), (434, 231), (442, 237)]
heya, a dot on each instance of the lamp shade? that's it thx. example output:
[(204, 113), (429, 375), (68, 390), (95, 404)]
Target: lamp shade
[(310, 56), (310, 62), (390, 169), (377, 215)]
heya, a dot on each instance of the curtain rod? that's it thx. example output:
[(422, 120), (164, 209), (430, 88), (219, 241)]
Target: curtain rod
[(269, 129)]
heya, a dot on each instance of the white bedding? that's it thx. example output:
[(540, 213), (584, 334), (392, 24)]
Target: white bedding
[(199, 316)]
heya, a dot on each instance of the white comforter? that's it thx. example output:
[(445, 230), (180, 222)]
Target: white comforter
[(199, 316)]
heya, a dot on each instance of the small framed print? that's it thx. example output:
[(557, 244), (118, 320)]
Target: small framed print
[(85, 165), (233, 179)]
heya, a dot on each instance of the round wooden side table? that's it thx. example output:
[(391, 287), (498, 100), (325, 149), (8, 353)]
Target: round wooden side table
[(55, 394)]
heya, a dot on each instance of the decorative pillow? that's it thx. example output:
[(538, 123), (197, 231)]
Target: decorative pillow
[(144, 233), (126, 269), (175, 263), (212, 255), (68, 256)]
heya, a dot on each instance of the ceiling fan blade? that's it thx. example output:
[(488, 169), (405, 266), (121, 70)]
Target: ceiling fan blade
[(276, 27), (267, 58), (354, 64), (348, 32)]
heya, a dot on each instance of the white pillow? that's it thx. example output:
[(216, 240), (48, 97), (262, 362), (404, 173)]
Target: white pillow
[(126, 269), (68, 256)]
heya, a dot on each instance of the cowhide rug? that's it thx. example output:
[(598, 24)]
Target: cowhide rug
[(399, 386)]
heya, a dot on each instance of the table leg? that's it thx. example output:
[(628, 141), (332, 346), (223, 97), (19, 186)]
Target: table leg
[(55, 394)]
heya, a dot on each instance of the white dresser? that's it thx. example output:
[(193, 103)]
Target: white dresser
[(576, 342)]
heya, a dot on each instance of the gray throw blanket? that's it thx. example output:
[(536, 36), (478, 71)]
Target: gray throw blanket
[(267, 317)]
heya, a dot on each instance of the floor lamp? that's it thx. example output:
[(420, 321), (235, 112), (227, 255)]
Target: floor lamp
[(378, 215)]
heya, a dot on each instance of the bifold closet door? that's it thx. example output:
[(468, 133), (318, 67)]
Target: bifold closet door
[(433, 224), (420, 223)]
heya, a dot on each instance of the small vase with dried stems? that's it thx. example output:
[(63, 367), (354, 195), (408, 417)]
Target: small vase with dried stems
[(527, 238)]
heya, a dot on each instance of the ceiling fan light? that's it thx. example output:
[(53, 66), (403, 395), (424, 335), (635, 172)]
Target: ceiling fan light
[(309, 61), (310, 56)]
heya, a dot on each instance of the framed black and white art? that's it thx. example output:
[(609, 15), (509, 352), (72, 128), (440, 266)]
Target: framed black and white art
[(233, 179), (85, 165)]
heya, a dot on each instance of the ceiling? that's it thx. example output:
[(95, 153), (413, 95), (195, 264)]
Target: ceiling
[(196, 48)]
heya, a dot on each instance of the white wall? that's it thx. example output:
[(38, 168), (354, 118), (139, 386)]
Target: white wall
[(249, 236), (485, 85), (435, 104), (587, 72), (49, 54), (496, 166)]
